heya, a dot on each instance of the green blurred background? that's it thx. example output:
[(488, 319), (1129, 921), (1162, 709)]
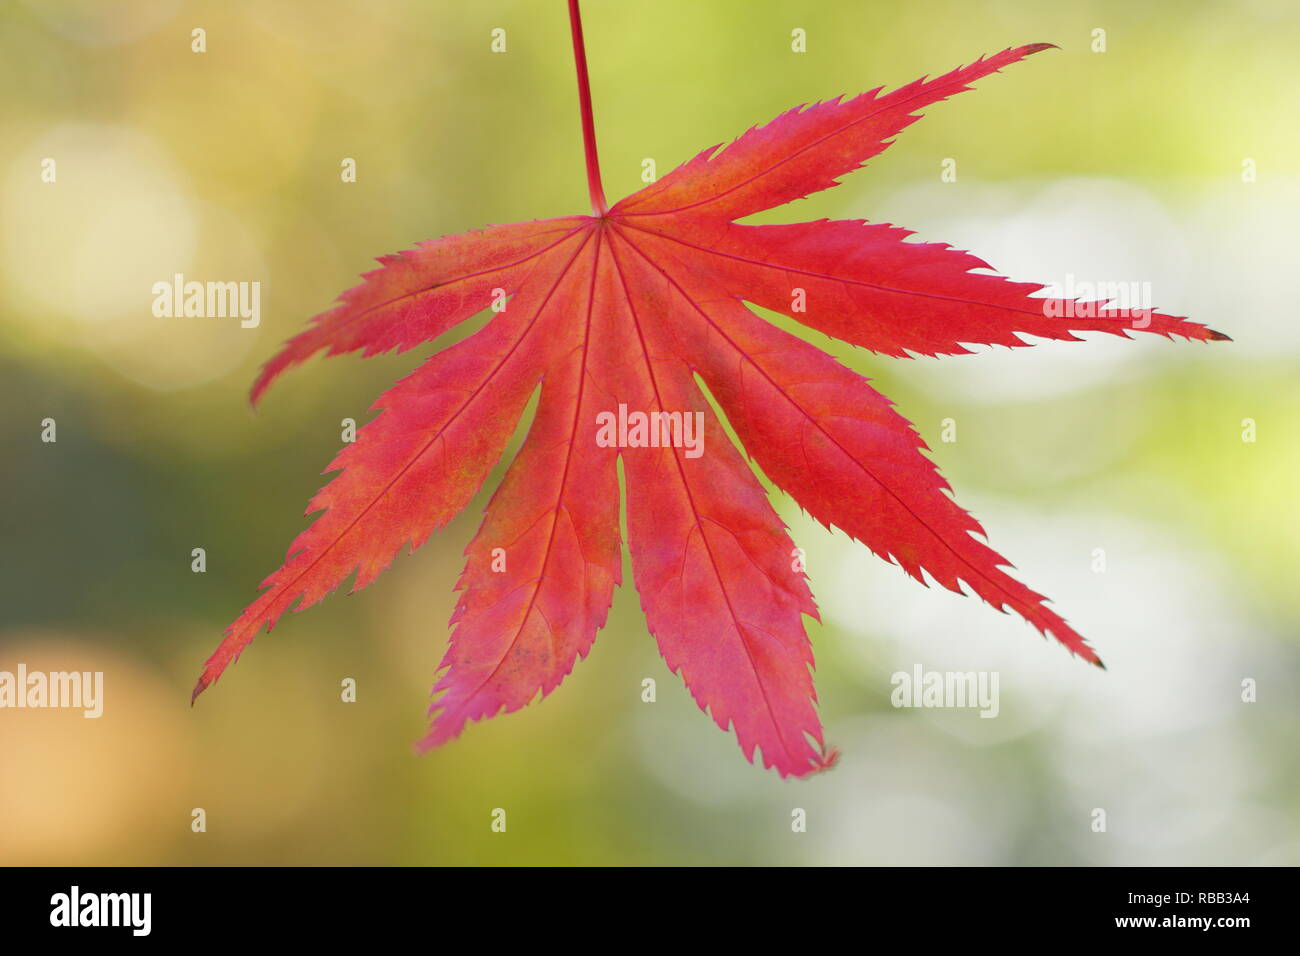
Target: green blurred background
[(1123, 165)]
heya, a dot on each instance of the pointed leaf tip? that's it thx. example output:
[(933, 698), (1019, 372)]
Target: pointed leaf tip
[(829, 758)]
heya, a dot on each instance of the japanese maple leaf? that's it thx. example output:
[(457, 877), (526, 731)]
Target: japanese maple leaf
[(615, 315)]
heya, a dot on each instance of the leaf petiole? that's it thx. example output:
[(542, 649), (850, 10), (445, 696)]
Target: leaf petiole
[(588, 121)]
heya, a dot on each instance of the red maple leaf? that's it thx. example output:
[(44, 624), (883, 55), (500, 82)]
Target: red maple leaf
[(615, 314)]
